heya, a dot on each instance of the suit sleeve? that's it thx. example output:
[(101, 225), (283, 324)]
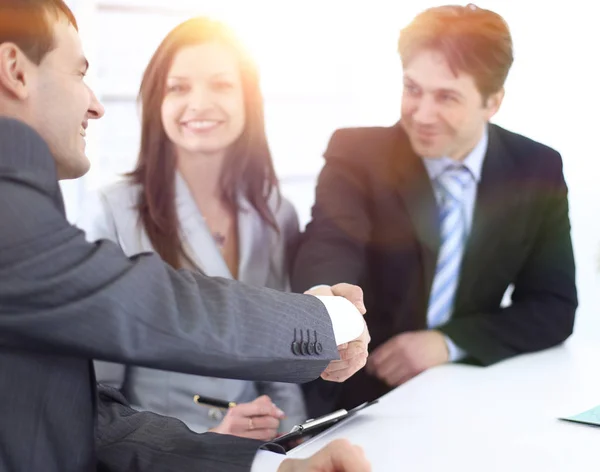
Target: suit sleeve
[(63, 295), (127, 440), (332, 249), (97, 223), (544, 299)]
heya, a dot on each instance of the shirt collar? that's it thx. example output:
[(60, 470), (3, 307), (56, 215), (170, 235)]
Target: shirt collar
[(474, 160)]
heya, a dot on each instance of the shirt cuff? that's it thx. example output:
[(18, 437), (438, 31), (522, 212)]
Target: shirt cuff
[(319, 286), (267, 461), (348, 324), (455, 353)]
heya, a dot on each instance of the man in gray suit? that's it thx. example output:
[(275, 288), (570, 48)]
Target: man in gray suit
[(64, 301)]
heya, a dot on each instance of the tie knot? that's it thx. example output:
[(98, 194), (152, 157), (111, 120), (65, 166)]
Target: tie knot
[(453, 181)]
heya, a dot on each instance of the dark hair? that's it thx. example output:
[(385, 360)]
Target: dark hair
[(248, 167), (27, 24), (473, 40)]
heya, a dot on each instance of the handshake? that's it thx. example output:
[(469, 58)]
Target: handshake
[(260, 418), (340, 455), (354, 352)]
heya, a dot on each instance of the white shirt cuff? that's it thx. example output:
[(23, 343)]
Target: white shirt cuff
[(348, 324), (455, 353), (267, 461), (319, 286)]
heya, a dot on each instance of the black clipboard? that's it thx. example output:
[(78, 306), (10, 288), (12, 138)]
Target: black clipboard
[(314, 426)]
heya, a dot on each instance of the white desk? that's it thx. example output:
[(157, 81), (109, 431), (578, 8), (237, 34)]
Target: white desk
[(471, 419)]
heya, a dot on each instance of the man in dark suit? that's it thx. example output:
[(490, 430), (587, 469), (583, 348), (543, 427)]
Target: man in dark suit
[(437, 216), (64, 301)]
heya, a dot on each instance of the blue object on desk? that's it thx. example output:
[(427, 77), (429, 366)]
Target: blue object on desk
[(591, 417)]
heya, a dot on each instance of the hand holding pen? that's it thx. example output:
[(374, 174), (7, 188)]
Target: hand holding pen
[(258, 419)]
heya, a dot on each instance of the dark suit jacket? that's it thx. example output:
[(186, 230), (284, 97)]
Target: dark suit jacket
[(64, 301), (375, 223)]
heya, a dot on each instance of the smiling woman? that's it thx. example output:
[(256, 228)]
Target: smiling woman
[(190, 121), (210, 126), (206, 195)]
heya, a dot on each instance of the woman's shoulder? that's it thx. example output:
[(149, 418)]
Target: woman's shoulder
[(283, 210), (121, 193)]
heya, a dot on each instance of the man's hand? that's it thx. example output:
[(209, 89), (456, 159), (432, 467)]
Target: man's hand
[(352, 293), (353, 355), (337, 456), (406, 355), (258, 419)]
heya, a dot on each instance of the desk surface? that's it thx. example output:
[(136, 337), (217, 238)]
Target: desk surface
[(499, 418)]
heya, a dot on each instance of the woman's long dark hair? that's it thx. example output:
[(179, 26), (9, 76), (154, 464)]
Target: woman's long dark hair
[(247, 168)]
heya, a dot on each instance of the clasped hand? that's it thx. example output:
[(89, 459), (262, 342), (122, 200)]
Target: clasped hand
[(354, 354)]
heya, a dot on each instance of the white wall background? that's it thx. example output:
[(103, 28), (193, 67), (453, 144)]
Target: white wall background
[(327, 64)]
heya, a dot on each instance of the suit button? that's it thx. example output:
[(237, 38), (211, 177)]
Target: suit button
[(311, 348), (296, 348), (318, 348), (304, 348)]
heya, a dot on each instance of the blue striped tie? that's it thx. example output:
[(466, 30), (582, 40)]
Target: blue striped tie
[(453, 233)]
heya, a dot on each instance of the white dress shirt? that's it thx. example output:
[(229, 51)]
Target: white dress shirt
[(348, 324)]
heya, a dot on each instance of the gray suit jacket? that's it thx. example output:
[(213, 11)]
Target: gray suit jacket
[(65, 301), (130, 440), (265, 257)]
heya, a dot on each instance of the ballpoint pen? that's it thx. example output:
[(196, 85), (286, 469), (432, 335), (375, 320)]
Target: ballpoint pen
[(202, 400)]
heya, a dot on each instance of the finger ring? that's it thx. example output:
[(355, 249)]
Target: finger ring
[(250, 424)]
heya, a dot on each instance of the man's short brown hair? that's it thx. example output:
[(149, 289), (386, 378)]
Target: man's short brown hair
[(473, 40), (27, 23)]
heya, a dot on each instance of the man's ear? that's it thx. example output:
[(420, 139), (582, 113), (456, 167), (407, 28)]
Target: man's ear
[(13, 71), (493, 103)]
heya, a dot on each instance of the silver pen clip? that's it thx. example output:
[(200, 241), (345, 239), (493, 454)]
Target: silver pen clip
[(315, 423)]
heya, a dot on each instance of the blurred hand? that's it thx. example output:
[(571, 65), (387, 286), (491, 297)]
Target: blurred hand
[(338, 456), (258, 419), (353, 355), (407, 355)]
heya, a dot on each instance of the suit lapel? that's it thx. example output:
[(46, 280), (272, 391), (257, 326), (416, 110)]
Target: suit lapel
[(416, 191), (253, 242), (496, 205), (198, 242)]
